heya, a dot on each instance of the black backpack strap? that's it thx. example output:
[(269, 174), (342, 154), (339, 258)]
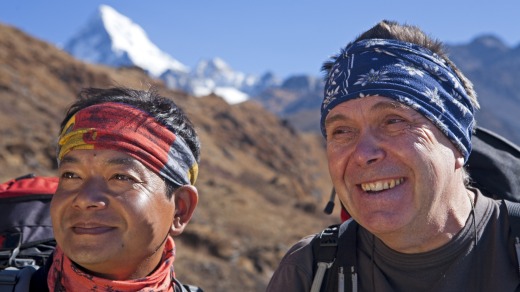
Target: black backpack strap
[(324, 248), (179, 287), (192, 288), (334, 250), (39, 278), (346, 274), (513, 212)]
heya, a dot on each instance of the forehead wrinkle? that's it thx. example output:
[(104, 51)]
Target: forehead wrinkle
[(378, 107)]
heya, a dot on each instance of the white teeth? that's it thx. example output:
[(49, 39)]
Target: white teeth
[(381, 185)]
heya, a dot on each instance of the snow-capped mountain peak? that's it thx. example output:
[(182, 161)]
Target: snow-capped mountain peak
[(215, 66), (220, 72), (113, 39), (214, 76)]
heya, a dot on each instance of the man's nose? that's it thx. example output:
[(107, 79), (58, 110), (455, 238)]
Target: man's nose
[(368, 149), (92, 195)]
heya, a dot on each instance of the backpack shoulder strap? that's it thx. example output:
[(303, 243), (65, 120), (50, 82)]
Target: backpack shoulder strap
[(513, 212), (324, 248), (335, 242), (179, 287), (39, 278), (192, 288)]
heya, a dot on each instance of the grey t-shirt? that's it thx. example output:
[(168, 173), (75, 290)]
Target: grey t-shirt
[(464, 264)]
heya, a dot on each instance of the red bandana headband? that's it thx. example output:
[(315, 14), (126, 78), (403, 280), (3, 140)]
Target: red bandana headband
[(121, 127)]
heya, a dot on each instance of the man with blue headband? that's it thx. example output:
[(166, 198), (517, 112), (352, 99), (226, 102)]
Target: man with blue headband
[(398, 117)]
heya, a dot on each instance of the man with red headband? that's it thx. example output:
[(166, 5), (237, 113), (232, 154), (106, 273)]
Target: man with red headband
[(127, 164), (398, 117)]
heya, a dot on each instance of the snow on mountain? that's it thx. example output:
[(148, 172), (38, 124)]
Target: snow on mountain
[(231, 95), (214, 76), (220, 72), (112, 39)]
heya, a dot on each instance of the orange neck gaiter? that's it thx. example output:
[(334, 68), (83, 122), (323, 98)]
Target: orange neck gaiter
[(64, 275)]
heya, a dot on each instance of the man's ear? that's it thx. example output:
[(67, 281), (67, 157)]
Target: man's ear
[(459, 162), (186, 199), (459, 159)]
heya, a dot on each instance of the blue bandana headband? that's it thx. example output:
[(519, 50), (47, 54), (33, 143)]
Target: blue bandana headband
[(409, 74)]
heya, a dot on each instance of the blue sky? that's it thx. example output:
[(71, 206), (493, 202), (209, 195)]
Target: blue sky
[(283, 36)]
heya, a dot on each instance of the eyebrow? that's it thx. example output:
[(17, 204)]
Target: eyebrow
[(124, 161), (68, 159), (385, 105), (336, 117)]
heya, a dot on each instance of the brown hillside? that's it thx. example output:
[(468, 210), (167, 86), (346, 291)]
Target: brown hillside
[(261, 182)]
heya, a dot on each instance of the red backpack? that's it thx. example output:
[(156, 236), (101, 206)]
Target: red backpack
[(26, 236)]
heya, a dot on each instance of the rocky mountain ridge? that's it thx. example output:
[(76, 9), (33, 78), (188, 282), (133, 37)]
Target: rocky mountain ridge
[(494, 69)]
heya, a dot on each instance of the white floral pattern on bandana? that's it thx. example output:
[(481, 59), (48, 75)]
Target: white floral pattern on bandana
[(407, 73)]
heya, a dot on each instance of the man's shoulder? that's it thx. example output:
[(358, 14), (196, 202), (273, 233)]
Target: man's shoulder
[(295, 270), (300, 250), (494, 203)]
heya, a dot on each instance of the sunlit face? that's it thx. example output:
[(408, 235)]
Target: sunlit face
[(110, 213), (391, 167)]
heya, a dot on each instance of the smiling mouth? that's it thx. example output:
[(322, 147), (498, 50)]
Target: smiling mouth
[(93, 230), (381, 185)]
